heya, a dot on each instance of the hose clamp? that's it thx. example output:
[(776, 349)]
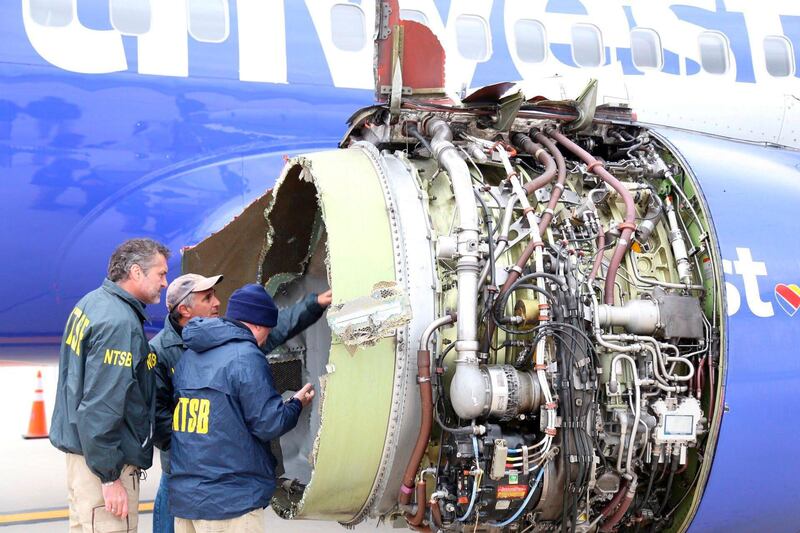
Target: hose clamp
[(594, 164)]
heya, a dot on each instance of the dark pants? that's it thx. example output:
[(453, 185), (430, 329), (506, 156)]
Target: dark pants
[(163, 521)]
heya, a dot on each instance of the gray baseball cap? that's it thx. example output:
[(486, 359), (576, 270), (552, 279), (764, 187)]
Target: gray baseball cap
[(183, 286)]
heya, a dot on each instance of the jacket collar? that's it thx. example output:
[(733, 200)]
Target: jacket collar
[(116, 290), (170, 337), (242, 327)]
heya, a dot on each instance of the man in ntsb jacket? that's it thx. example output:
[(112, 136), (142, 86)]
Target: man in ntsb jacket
[(188, 296), (193, 296), (104, 412), (227, 410)]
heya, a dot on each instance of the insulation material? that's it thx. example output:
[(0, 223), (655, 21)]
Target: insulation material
[(365, 320), (233, 251)]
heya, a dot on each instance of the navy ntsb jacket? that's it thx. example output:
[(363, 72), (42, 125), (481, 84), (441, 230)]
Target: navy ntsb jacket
[(227, 410)]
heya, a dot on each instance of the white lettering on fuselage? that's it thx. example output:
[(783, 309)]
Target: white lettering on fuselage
[(261, 37), (750, 271)]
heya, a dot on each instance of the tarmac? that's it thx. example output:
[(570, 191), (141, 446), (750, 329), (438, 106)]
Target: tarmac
[(33, 490)]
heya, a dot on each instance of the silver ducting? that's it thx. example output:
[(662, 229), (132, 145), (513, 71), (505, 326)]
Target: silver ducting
[(468, 392)]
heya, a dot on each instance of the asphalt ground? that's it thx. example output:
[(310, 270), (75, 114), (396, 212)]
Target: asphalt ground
[(33, 490)]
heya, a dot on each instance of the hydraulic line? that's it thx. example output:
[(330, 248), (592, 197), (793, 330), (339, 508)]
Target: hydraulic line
[(627, 227), (637, 414), (558, 187), (475, 482), (598, 260), (523, 142), (426, 402), (622, 509)]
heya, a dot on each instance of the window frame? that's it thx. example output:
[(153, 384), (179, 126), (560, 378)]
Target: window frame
[(660, 62), (226, 11), (487, 37), (127, 33), (602, 48), (545, 42), (727, 46), (421, 13), (789, 49), (72, 13), (363, 27)]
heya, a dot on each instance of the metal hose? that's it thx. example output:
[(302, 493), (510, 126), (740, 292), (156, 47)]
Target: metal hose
[(627, 226)]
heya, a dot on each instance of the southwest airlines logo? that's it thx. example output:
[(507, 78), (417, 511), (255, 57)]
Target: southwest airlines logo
[(786, 295)]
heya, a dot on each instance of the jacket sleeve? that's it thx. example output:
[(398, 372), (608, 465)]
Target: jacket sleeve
[(266, 414), (108, 375), (163, 382), (293, 320)]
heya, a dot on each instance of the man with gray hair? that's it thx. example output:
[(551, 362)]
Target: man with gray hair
[(104, 413)]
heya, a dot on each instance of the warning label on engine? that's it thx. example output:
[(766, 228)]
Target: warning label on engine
[(511, 492)]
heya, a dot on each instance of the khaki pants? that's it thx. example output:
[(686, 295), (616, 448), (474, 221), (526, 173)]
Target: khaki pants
[(87, 512), (252, 522)]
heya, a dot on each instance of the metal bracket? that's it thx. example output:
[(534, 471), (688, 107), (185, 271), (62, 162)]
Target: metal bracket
[(387, 89), (397, 71), (384, 11)]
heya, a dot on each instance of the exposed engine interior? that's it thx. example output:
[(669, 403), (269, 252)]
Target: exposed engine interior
[(576, 388), (561, 294)]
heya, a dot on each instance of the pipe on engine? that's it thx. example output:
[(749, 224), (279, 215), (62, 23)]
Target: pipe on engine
[(641, 317), (417, 518), (598, 260), (523, 142), (558, 188), (612, 522), (629, 224), (426, 404), (467, 390)]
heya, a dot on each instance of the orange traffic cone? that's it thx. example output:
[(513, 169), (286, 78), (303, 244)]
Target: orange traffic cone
[(37, 427)]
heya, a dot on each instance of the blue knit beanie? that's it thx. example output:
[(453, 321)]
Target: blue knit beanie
[(252, 304)]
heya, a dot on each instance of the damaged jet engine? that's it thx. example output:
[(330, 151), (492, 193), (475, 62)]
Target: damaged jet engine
[(526, 322)]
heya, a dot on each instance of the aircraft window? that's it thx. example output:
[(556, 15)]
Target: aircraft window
[(209, 20), (130, 17), (531, 40), (713, 52), (413, 14), (347, 27), (53, 13), (646, 48), (587, 45), (778, 53), (472, 36)]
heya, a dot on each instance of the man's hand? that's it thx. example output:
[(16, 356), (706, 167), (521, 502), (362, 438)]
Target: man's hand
[(116, 498), (306, 394), (325, 299)]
